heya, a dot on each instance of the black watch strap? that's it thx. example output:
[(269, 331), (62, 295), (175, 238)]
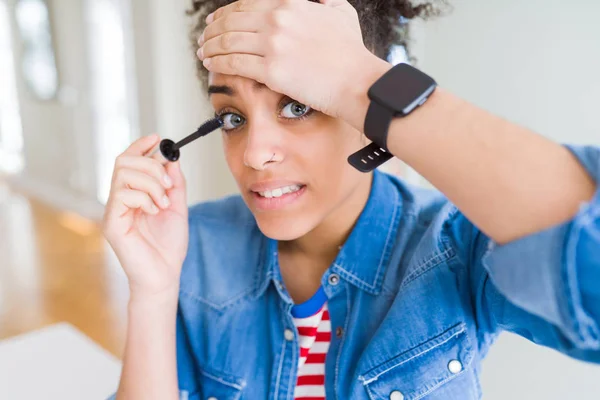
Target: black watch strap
[(377, 124), (370, 157)]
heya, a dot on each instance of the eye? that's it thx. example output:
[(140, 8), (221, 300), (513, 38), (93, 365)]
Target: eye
[(232, 121), (293, 109)]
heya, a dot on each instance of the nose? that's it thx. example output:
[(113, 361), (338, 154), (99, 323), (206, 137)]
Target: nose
[(264, 144)]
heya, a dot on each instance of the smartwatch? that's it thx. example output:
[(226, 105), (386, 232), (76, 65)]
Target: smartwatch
[(396, 94)]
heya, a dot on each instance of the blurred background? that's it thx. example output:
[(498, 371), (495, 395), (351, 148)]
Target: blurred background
[(81, 79)]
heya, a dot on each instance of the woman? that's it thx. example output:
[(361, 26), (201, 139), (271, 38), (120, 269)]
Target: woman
[(322, 281)]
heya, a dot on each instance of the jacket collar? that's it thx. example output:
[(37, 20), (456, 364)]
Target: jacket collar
[(364, 257)]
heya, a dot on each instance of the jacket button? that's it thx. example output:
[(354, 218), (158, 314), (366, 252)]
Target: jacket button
[(212, 398), (454, 366), (396, 395), (288, 334), (333, 279)]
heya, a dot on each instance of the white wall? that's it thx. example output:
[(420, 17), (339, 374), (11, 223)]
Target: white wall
[(535, 62)]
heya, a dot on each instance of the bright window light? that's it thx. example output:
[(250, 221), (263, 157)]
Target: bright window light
[(11, 131), (109, 88)]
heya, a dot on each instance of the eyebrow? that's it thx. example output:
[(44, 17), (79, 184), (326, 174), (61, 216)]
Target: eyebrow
[(229, 91)]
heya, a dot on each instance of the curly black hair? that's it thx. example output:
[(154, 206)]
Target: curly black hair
[(383, 23)]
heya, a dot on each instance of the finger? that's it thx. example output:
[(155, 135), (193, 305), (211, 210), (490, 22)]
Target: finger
[(127, 199), (176, 174), (247, 65), (177, 194), (142, 145), (156, 155), (235, 22), (132, 179), (241, 6), (233, 42), (335, 3), (340, 4), (147, 165)]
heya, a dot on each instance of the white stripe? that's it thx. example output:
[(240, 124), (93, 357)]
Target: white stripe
[(309, 391), (311, 321), (301, 362), (324, 326), (319, 348), (306, 341), (312, 369)]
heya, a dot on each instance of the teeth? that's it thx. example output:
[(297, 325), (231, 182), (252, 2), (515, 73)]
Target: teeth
[(280, 191)]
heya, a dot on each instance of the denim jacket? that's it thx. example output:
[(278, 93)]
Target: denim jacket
[(416, 296)]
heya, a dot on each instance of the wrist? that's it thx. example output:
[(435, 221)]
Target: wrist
[(356, 100), (166, 298)]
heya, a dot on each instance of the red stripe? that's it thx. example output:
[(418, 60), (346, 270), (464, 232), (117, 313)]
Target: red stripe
[(311, 380), (304, 351), (307, 331), (310, 398), (316, 358)]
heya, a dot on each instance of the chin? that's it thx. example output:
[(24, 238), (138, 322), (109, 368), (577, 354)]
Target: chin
[(282, 228)]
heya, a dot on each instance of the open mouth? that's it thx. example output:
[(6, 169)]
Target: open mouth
[(279, 197), (279, 192)]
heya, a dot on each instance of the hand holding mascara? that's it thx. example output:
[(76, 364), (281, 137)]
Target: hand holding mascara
[(145, 219)]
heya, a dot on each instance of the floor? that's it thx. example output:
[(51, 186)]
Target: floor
[(57, 267)]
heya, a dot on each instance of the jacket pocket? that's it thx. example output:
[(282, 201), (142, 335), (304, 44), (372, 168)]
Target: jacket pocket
[(217, 386), (423, 369)]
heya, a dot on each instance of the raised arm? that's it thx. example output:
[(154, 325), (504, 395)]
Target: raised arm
[(508, 180)]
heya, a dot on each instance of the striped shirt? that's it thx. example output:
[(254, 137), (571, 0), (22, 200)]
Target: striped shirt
[(311, 318)]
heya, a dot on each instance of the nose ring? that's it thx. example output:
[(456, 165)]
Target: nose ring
[(271, 159)]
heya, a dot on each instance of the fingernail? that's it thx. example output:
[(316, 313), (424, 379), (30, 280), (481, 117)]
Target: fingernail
[(166, 201), (154, 209), (210, 17), (200, 53), (201, 39), (206, 62), (168, 180)]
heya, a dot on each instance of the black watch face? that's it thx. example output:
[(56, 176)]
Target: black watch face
[(402, 89)]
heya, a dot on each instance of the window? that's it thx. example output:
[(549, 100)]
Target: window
[(110, 92), (11, 131)]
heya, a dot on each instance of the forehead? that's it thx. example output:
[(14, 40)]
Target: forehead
[(233, 85)]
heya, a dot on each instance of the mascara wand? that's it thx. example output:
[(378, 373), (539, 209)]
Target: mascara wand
[(170, 149)]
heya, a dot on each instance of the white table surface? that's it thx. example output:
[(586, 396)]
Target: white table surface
[(56, 363)]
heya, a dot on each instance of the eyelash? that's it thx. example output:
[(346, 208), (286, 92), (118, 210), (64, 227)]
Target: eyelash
[(227, 110)]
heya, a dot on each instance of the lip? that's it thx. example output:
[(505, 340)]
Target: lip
[(276, 203)]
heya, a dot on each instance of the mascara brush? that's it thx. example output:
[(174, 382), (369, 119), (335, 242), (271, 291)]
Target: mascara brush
[(170, 149)]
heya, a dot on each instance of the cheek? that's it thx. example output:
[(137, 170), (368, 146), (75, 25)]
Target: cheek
[(325, 157), (234, 155), (327, 151)]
